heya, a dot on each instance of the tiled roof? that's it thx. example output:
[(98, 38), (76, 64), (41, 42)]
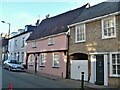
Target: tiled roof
[(98, 10), (56, 24)]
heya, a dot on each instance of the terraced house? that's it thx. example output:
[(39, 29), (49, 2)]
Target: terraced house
[(95, 44), (17, 43), (47, 45)]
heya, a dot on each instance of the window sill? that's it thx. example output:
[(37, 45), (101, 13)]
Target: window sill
[(34, 47), (50, 44), (114, 76), (41, 66), (55, 67), (31, 65), (80, 41), (112, 37)]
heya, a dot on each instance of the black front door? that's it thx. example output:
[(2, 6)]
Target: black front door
[(100, 69)]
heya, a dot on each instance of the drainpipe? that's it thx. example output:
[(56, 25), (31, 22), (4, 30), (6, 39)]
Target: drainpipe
[(68, 58)]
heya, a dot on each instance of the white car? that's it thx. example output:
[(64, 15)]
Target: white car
[(13, 65)]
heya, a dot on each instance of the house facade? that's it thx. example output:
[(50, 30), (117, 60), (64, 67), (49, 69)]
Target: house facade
[(17, 44), (49, 54), (3, 47), (47, 45), (95, 40)]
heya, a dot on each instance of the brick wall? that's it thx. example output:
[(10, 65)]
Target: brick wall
[(94, 37)]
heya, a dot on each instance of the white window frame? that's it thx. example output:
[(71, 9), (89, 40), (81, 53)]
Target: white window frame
[(50, 41), (102, 22), (43, 59), (34, 44), (31, 59), (111, 71), (58, 59), (23, 42), (16, 43), (76, 41)]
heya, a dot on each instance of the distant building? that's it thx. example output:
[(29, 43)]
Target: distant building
[(3, 47), (17, 43)]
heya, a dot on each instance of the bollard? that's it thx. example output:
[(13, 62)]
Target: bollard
[(10, 86), (82, 80)]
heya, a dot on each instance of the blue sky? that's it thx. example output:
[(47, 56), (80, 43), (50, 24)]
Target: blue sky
[(21, 13)]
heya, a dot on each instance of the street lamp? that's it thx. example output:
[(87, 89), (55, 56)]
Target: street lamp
[(9, 27)]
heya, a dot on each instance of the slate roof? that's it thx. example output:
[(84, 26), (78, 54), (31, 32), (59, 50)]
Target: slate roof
[(98, 10), (56, 24), (30, 28)]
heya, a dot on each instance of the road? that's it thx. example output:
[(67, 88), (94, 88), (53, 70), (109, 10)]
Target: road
[(23, 80)]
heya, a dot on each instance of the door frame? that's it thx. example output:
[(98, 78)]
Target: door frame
[(100, 69), (93, 70)]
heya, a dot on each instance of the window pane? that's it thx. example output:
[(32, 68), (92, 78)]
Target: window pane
[(118, 69), (118, 56), (114, 69), (80, 32), (111, 22), (109, 32), (56, 60), (112, 31), (105, 32), (113, 55), (113, 61)]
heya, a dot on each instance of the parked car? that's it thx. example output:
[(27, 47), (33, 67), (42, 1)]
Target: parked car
[(13, 65)]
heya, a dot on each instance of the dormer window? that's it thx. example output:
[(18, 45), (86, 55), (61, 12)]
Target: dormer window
[(51, 41)]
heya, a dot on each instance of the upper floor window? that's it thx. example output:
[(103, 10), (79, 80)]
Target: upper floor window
[(34, 44), (80, 35), (51, 41), (109, 27), (15, 43), (42, 59), (55, 59), (115, 64), (23, 41)]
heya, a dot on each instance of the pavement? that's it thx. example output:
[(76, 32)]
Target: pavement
[(74, 83)]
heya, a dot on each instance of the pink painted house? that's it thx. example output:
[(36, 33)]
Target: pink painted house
[(47, 46)]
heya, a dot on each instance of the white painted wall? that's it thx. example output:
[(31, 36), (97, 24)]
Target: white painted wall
[(12, 49), (93, 69)]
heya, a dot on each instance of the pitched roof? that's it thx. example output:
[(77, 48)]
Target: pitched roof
[(56, 24), (30, 28), (98, 10)]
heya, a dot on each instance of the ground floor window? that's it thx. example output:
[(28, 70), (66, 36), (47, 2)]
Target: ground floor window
[(31, 59), (115, 64), (22, 56), (42, 59), (55, 59)]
